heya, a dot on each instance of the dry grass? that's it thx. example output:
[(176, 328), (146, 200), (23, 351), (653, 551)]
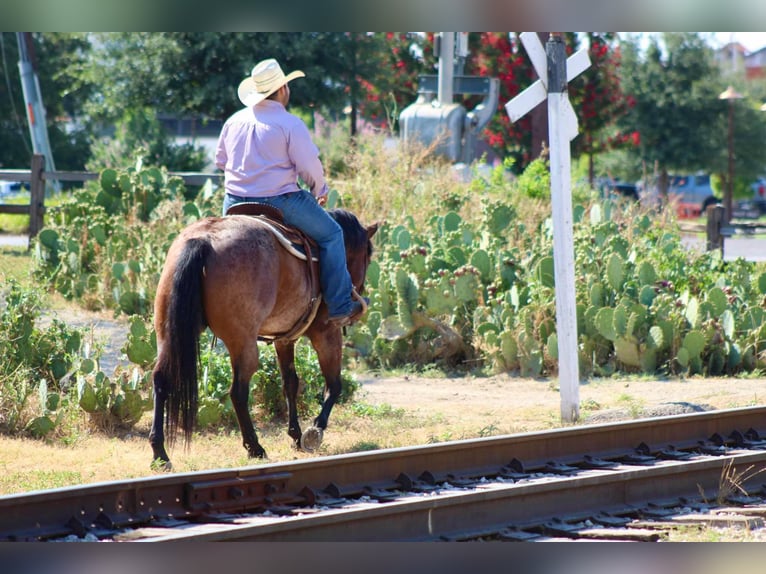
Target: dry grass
[(87, 456), (391, 411)]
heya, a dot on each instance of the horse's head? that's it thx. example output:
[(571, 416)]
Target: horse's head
[(358, 239)]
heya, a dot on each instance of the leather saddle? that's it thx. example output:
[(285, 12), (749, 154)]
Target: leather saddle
[(298, 244)]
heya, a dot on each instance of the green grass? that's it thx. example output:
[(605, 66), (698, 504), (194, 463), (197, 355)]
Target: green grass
[(15, 263), (14, 223), (38, 480)]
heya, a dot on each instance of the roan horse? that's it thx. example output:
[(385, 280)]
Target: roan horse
[(232, 274)]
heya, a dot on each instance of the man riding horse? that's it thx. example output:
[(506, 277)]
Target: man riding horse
[(262, 150)]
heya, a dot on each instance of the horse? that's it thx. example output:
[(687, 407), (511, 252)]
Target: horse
[(236, 276)]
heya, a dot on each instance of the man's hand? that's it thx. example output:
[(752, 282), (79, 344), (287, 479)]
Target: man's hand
[(322, 200)]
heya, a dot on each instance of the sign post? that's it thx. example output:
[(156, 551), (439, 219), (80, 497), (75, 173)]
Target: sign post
[(554, 71)]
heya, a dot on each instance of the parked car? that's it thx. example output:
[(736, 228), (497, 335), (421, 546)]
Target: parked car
[(754, 206), (691, 194), (610, 187), (12, 187), (759, 194), (694, 190)]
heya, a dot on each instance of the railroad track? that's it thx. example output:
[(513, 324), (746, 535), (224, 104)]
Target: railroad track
[(622, 481)]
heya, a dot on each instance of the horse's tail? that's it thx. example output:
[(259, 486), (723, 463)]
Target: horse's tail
[(184, 322)]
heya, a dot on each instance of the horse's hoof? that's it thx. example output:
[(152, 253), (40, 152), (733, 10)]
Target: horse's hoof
[(161, 465), (257, 453), (312, 439)]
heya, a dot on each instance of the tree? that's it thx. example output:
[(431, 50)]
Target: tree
[(749, 152), (494, 54), (502, 56), (394, 85), (598, 98), (54, 56), (672, 89)]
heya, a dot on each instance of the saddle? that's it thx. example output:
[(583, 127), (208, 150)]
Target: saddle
[(299, 245)]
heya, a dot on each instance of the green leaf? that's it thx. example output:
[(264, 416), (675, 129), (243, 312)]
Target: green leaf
[(499, 218), (597, 294), (40, 427), (553, 346), (118, 270), (627, 352), (683, 357), (191, 210), (648, 361), (655, 339), (646, 273), (480, 259), (108, 180), (87, 366), (49, 238), (373, 274), (137, 327), (457, 256), (717, 298), (99, 234), (647, 295), (508, 349), (615, 271), (621, 320), (140, 352), (545, 272), (604, 323), (452, 221), (484, 328), (692, 312), (694, 342), (727, 319), (596, 215)]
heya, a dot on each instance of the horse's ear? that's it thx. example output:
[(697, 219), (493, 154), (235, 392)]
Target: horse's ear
[(372, 229)]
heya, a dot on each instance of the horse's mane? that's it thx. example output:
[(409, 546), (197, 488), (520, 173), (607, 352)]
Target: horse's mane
[(354, 234)]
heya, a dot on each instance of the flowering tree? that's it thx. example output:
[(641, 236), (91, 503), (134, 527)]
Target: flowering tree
[(495, 54), (401, 59), (598, 98)]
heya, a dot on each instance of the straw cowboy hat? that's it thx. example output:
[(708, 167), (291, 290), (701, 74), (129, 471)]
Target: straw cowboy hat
[(265, 79)]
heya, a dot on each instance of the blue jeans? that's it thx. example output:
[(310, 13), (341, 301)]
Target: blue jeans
[(300, 209)]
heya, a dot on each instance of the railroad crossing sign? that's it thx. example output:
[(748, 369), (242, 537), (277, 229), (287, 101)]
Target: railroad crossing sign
[(554, 71)]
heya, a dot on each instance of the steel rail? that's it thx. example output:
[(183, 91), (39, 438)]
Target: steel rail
[(58, 512), (493, 508)]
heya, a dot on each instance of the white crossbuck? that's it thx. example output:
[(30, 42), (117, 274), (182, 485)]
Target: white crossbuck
[(535, 94), (562, 129)]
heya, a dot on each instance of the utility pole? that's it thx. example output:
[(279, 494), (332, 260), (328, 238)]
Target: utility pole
[(446, 68), (38, 129)]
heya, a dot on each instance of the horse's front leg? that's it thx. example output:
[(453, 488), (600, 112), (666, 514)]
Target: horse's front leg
[(286, 357), (328, 344)]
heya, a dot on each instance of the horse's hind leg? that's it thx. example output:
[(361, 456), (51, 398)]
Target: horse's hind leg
[(286, 356), (157, 433), (243, 366)]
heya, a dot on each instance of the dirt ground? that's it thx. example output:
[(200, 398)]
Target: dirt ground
[(517, 405)]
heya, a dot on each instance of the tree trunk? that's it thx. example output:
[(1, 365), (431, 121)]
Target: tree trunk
[(662, 186)]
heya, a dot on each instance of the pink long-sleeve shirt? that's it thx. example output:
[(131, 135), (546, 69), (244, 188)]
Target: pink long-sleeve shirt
[(262, 151)]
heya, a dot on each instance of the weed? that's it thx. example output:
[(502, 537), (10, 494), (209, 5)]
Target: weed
[(489, 430), (732, 481), (375, 411), (446, 436)]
